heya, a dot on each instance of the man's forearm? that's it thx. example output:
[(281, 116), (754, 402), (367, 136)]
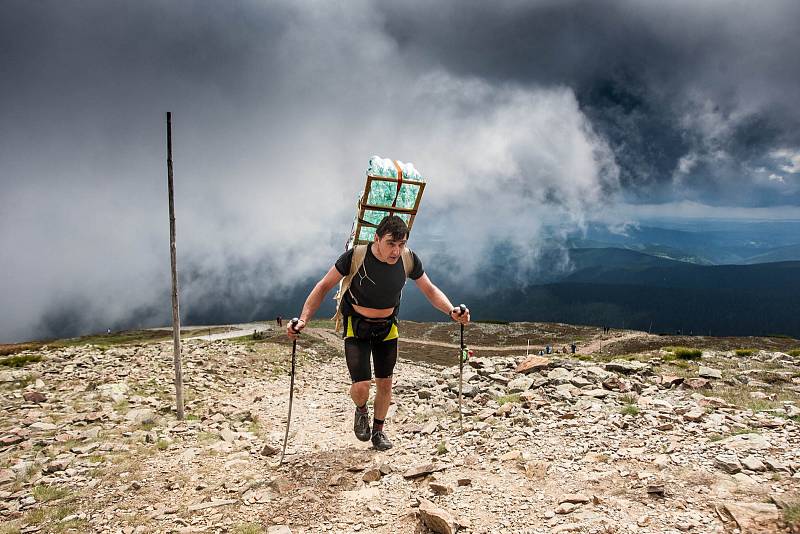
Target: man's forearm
[(439, 300), (312, 303)]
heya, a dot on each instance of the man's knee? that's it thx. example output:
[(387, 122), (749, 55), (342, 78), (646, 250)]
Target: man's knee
[(361, 388), (384, 385)]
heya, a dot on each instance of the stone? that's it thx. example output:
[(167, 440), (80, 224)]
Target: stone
[(596, 393), (753, 464), (211, 504), (670, 381), (464, 482), (511, 455), (424, 394), (114, 392), (752, 517), (371, 475), (40, 426), (695, 414), (34, 396), (696, 383), (279, 529), (614, 383), (628, 366), (728, 463), (520, 384), (269, 450), (141, 416), (60, 463), (430, 427), (532, 363), (435, 518), (709, 372), (228, 435), (386, 469), (424, 469), (776, 465), (6, 476), (574, 498), (657, 490), (440, 489), (565, 508), (559, 375), (744, 442)]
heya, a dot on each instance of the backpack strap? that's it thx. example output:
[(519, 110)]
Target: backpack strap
[(408, 260), (359, 253)]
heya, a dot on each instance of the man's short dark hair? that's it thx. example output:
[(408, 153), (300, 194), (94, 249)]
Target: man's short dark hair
[(392, 224)]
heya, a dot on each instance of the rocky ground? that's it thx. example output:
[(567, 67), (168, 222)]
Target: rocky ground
[(655, 441)]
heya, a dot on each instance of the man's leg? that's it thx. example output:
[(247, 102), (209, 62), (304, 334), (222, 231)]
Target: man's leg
[(384, 358), (357, 355)]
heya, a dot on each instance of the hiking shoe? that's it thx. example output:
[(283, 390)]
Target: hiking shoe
[(380, 441), (361, 425)]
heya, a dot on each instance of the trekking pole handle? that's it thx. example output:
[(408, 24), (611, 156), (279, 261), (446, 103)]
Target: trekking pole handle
[(461, 309), (292, 325)]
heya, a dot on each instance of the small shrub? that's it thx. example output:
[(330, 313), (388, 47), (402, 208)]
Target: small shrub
[(162, 444), (628, 399), (744, 352), (441, 448), (630, 409), (508, 398), (248, 528), (43, 493), (20, 360), (791, 516), (686, 353)]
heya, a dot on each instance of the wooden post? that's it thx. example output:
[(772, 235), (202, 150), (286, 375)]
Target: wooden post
[(176, 317)]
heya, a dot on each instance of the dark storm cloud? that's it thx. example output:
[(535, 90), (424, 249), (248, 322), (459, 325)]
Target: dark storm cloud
[(661, 81)]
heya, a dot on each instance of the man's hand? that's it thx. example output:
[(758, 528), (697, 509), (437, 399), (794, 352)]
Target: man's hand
[(294, 327), (460, 314)]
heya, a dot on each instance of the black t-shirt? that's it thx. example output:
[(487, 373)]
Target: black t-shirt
[(377, 284)]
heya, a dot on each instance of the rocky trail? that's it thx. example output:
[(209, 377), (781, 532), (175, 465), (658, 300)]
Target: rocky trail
[(644, 443)]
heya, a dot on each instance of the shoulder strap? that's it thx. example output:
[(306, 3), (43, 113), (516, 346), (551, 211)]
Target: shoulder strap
[(408, 260), (359, 253)]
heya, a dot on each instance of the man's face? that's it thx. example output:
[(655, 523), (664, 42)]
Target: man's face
[(390, 248)]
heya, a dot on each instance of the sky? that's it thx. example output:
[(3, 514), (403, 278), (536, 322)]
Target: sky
[(519, 115)]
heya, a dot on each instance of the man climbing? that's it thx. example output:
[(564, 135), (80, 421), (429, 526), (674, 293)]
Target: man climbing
[(369, 312)]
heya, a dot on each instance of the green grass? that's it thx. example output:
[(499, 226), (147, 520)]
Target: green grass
[(628, 399), (744, 352), (508, 398), (119, 338), (685, 353), (491, 321), (441, 448), (247, 528), (162, 444), (20, 360), (794, 352), (43, 493), (791, 516), (629, 409)]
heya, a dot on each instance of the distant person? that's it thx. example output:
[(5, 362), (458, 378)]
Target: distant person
[(573, 347), (369, 310), (548, 349), (541, 352), (279, 320)]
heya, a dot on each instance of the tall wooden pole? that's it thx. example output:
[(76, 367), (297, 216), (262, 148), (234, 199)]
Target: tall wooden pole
[(176, 317)]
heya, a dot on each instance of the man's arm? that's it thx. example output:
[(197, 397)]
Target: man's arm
[(438, 299), (314, 299)]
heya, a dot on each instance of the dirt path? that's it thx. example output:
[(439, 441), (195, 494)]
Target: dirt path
[(598, 344)]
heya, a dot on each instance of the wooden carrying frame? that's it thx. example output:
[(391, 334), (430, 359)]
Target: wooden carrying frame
[(363, 206)]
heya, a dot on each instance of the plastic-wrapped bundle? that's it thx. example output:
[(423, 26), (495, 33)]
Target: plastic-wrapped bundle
[(379, 166), (383, 194)]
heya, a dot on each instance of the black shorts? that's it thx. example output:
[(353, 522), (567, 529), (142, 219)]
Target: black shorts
[(363, 336)]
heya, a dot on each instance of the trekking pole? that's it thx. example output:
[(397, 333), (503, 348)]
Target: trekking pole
[(461, 359), (291, 389)]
